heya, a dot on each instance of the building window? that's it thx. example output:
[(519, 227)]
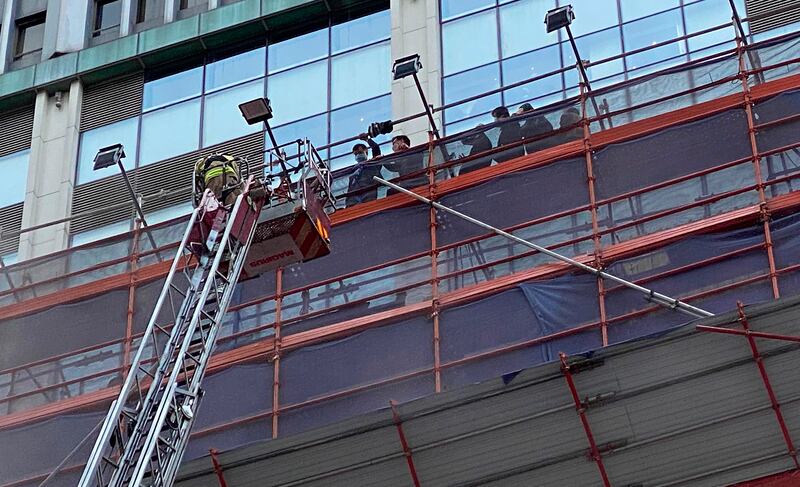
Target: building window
[(122, 132), (489, 44), (30, 36), (107, 16), (14, 168), (187, 4), (147, 10)]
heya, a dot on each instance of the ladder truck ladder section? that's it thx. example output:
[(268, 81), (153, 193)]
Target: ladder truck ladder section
[(147, 427)]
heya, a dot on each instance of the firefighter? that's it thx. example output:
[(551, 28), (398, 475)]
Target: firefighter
[(220, 174)]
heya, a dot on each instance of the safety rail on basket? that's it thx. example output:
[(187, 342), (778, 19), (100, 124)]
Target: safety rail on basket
[(309, 175)]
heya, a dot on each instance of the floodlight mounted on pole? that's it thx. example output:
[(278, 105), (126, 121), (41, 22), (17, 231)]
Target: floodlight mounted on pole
[(260, 110), (107, 157), (562, 17), (410, 66)]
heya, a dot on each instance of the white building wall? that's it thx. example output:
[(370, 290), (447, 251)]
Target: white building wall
[(51, 171), (415, 30)]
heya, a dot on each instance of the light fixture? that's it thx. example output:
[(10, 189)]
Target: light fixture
[(410, 66), (256, 111), (559, 17), (108, 156), (407, 66)]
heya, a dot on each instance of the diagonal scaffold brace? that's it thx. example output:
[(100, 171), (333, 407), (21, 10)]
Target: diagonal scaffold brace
[(650, 295)]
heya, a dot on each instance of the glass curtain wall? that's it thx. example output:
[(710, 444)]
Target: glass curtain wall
[(489, 44), (325, 85)]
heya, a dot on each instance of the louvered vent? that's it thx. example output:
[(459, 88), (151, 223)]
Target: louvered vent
[(766, 15), (172, 178), (16, 130), (11, 218), (110, 102)]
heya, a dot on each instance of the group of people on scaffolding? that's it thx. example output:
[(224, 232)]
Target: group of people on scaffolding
[(524, 132)]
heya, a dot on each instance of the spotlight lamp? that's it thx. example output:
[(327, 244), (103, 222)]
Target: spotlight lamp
[(406, 66), (108, 156), (559, 17), (256, 111)]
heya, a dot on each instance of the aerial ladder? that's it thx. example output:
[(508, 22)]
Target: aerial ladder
[(146, 430)]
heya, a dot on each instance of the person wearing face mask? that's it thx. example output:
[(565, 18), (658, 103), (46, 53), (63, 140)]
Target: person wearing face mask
[(362, 176)]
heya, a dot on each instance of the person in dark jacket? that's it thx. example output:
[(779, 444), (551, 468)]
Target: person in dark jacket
[(533, 126), (509, 134), (479, 143), (509, 130), (365, 170), (570, 120), (404, 162)]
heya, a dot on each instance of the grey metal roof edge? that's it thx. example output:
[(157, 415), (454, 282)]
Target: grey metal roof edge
[(450, 399)]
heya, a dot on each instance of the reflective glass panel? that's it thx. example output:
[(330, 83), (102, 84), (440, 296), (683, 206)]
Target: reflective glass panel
[(527, 66), (298, 50), (469, 42), (315, 129), (108, 15), (10, 259), (123, 132), (232, 70), (451, 8), (703, 15), (173, 88), (595, 47), (593, 15), (634, 9), (170, 131), (355, 119), (14, 168), (169, 213), (464, 125), (299, 93), (222, 119), (101, 233), (471, 83), (360, 74), (518, 35), (652, 30), (31, 38), (361, 31)]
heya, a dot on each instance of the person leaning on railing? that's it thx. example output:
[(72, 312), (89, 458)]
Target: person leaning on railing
[(509, 133), (533, 127), (570, 124), (405, 162)]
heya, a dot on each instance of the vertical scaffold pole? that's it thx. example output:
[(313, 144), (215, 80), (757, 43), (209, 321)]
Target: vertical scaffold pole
[(276, 361), (217, 467), (437, 360), (595, 452), (404, 444), (762, 199), (776, 406), (598, 250)]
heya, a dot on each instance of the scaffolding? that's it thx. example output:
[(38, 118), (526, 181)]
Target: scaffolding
[(292, 313)]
